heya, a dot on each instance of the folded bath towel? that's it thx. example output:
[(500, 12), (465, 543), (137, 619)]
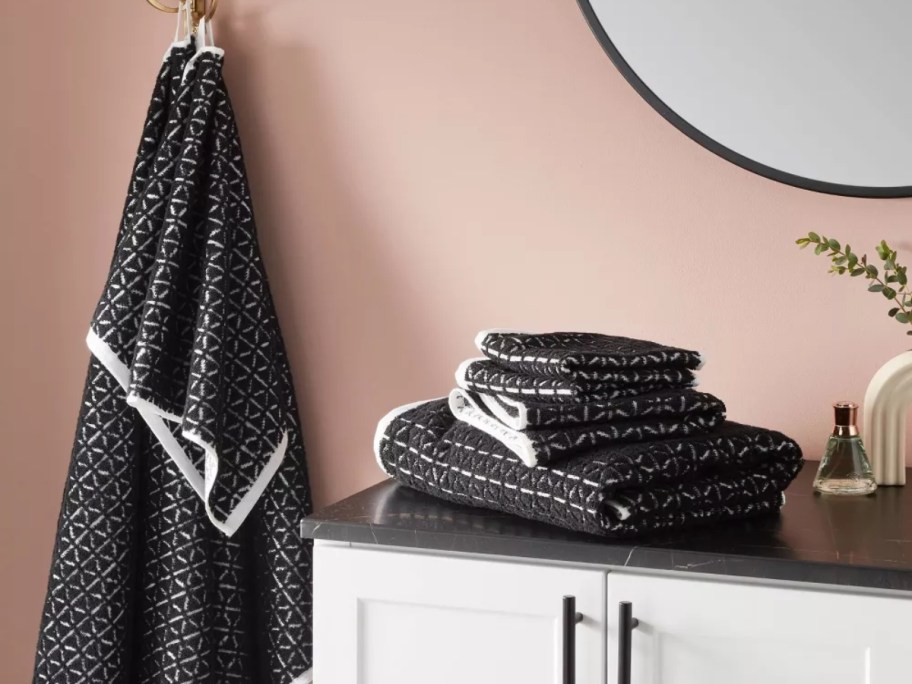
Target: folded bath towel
[(519, 413), (547, 445), (484, 375), (580, 356), (734, 472)]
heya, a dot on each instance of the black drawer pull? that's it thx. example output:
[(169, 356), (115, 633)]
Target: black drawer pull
[(570, 619), (626, 624)]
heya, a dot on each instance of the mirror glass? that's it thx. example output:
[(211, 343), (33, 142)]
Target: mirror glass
[(814, 93)]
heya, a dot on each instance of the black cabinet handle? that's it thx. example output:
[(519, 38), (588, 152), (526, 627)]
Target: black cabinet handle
[(570, 618), (626, 624)]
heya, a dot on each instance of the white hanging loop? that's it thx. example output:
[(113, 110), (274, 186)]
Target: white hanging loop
[(211, 36), (205, 38), (185, 21), (188, 18), (201, 35)]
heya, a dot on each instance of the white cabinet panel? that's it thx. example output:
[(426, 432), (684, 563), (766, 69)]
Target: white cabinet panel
[(395, 618), (698, 632)]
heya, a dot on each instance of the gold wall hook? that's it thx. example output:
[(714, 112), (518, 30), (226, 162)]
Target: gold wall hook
[(198, 9)]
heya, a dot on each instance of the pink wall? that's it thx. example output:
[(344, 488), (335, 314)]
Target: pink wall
[(421, 170)]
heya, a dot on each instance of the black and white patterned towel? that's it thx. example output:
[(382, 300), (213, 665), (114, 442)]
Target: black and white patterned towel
[(484, 375), (734, 472), (178, 556), (580, 356), (519, 413), (548, 445)]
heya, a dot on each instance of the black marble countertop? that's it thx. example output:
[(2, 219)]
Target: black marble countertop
[(859, 542)]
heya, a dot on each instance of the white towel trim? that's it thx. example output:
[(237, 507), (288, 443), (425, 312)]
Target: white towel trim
[(380, 433), (495, 405), (155, 418), (465, 409), (306, 678)]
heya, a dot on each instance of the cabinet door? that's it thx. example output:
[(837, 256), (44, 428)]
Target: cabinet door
[(698, 632), (383, 617)]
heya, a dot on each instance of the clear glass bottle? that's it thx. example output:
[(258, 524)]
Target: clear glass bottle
[(845, 468)]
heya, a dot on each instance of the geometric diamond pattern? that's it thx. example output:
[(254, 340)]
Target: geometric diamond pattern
[(578, 355), (541, 446), (145, 586), (483, 375), (618, 490)]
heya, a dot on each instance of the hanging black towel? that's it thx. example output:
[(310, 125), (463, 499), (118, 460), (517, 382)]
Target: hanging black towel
[(580, 356), (178, 556), (550, 444), (733, 472), (489, 377)]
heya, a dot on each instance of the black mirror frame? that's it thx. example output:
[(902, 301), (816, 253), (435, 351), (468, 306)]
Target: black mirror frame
[(717, 148)]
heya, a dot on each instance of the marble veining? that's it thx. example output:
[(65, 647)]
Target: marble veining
[(861, 542)]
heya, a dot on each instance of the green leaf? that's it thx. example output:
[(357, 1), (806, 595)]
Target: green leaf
[(802, 242), (889, 265), (892, 279), (901, 278), (813, 237), (847, 250), (889, 293), (902, 317), (892, 312), (853, 260), (839, 261), (834, 244), (876, 287), (872, 270), (855, 272), (820, 249)]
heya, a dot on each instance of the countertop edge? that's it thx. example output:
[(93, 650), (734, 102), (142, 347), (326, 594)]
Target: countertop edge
[(732, 565), (863, 544)]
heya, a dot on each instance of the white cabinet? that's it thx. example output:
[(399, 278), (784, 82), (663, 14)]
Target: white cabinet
[(707, 632), (385, 617)]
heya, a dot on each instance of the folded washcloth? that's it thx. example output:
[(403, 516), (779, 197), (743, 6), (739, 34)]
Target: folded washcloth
[(547, 445), (734, 472), (580, 356), (520, 413), (484, 375)]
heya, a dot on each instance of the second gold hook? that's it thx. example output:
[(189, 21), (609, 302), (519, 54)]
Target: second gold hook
[(199, 9)]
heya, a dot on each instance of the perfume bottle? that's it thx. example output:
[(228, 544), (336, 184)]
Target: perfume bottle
[(845, 468)]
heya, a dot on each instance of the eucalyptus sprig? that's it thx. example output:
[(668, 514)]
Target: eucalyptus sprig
[(893, 285)]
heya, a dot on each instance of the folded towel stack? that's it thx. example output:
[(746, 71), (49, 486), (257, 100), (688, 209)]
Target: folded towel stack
[(546, 397), (591, 432)]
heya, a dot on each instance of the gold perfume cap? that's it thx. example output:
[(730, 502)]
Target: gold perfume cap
[(845, 413)]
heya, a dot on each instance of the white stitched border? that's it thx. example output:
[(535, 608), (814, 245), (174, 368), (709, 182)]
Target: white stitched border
[(202, 484), (464, 408), (466, 473)]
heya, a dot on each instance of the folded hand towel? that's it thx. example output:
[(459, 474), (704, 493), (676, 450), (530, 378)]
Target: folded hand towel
[(483, 375), (580, 356), (736, 471), (520, 413), (547, 445)]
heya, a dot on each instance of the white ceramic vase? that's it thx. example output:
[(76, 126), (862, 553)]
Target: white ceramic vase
[(886, 405)]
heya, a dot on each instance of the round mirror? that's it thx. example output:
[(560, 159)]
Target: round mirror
[(815, 93)]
